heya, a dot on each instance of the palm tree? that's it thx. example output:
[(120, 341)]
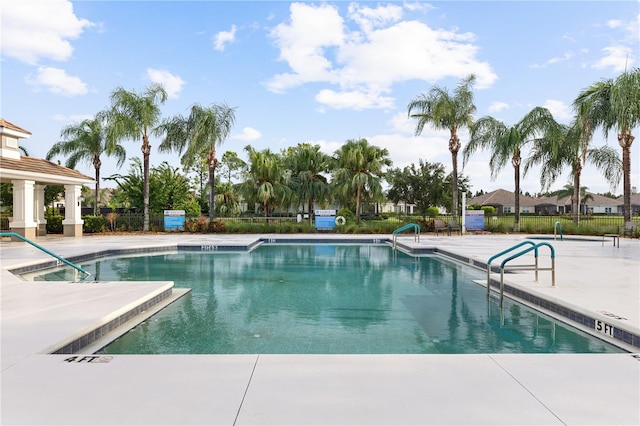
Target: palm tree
[(359, 169), (441, 110), (569, 191), (198, 135), (135, 116), (87, 142), (308, 166), (569, 146), (266, 180), (613, 104), (507, 143)]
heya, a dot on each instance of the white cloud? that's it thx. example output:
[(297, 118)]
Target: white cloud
[(561, 111), (618, 58), (498, 106), (57, 81), (221, 39), (172, 83), (32, 30), (364, 62), (248, 134)]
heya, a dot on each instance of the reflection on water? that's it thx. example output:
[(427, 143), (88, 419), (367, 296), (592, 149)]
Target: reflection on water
[(330, 299)]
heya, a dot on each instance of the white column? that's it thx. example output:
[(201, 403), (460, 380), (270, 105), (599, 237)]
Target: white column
[(23, 214), (39, 209), (72, 222)]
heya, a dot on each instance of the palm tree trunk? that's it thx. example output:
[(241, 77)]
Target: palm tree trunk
[(454, 182), (212, 190), (309, 210), (96, 206), (146, 151), (516, 177), (358, 195), (575, 200), (625, 139)]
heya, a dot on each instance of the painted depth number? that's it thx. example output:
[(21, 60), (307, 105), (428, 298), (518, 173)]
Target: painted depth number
[(604, 328)]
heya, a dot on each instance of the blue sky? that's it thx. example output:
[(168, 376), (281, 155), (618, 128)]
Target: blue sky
[(319, 72)]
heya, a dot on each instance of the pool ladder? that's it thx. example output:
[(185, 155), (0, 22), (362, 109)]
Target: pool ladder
[(535, 267), (416, 230), (50, 253)]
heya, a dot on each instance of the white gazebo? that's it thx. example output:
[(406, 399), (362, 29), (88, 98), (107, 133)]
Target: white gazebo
[(29, 176)]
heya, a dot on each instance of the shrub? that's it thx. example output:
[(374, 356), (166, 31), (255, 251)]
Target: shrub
[(54, 224), (488, 210), (94, 224), (433, 212)]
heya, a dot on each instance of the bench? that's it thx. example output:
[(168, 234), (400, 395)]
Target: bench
[(615, 237)]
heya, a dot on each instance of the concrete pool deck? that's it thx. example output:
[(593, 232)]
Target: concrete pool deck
[(596, 279)]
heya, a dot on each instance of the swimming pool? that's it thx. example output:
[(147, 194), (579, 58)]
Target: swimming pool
[(329, 298)]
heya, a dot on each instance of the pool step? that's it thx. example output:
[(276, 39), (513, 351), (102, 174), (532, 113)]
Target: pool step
[(110, 330)]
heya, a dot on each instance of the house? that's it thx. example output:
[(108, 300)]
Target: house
[(29, 177), (635, 204), (504, 201)]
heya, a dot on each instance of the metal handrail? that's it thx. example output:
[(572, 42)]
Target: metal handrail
[(558, 225), (503, 252), (416, 236), (50, 253), (529, 267)]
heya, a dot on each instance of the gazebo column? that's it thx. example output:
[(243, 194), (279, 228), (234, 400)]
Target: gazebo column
[(72, 223), (23, 214), (39, 207)]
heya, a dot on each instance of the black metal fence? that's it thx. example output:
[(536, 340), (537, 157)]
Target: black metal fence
[(588, 225)]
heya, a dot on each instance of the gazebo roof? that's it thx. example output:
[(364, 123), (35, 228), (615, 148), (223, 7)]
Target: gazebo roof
[(42, 171)]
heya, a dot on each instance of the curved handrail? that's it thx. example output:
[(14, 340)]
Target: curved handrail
[(559, 225), (50, 253), (415, 227), (503, 252), (525, 251)]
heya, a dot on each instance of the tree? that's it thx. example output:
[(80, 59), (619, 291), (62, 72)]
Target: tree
[(232, 165), (198, 135), (613, 104), (308, 168), (507, 143), (266, 180), (359, 171), (87, 142), (423, 186), (171, 190), (136, 116), (441, 110), (570, 146)]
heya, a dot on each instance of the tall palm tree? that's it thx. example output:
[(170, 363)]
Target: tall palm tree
[(266, 180), (308, 166), (442, 110), (198, 135), (613, 104), (87, 142), (570, 147), (359, 170), (136, 116), (506, 144)]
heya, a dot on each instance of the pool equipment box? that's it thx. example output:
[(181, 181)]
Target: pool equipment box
[(325, 219), (174, 220)]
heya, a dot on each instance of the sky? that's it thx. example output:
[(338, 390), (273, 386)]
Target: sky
[(316, 72)]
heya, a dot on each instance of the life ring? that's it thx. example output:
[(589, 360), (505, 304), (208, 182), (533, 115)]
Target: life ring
[(340, 220)]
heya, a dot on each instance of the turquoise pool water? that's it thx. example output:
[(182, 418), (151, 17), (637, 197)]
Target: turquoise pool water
[(334, 299)]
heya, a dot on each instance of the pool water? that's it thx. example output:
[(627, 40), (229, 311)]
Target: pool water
[(331, 299)]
